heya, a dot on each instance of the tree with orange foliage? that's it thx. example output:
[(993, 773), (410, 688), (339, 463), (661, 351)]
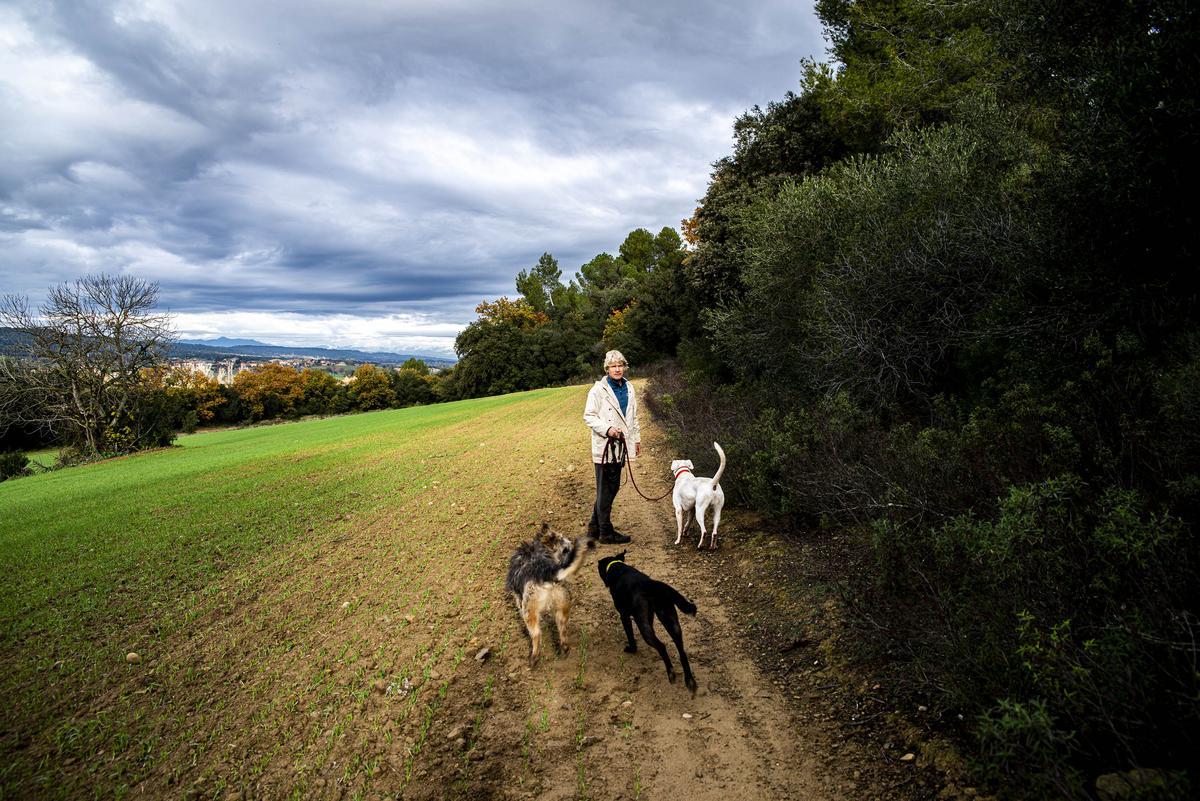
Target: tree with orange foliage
[(517, 313), (200, 393), (185, 397), (691, 231), (322, 393), (616, 330), (497, 351), (269, 390), (371, 388)]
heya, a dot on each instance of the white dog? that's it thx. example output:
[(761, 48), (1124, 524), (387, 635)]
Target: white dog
[(698, 494)]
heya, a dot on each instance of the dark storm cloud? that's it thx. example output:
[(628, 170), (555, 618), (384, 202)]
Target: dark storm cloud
[(378, 159)]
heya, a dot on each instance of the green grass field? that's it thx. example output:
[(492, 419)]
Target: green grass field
[(44, 457), (253, 572)]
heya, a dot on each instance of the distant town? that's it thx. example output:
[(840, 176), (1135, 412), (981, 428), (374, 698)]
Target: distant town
[(223, 359), (223, 370)]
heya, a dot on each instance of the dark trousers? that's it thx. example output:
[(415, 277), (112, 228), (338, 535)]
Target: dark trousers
[(608, 483)]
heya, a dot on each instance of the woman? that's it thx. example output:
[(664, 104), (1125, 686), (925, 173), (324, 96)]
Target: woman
[(611, 414)]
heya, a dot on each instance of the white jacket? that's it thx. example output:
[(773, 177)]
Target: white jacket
[(603, 411)]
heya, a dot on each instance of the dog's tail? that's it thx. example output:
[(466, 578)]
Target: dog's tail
[(670, 595), (721, 469), (575, 558)]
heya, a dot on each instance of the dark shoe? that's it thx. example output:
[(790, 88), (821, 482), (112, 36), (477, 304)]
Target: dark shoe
[(615, 538)]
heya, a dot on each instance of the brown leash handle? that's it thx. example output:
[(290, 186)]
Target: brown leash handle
[(616, 445)]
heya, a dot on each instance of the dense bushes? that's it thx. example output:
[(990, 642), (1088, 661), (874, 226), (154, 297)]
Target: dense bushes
[(874, 274), (13, 464), (1066, 602), (951, 309)]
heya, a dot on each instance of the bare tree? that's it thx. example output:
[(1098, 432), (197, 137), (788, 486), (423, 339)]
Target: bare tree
[(80, 374)]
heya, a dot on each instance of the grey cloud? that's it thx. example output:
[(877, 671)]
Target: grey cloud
[(156, 66), (367, 158)]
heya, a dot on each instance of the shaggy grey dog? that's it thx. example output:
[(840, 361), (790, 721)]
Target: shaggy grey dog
[(537, 573)]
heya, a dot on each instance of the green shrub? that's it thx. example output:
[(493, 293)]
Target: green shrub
[(1022, 747), (13, 464), (1070, 604)]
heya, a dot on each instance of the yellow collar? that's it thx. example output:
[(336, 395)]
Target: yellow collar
[(608, 567)]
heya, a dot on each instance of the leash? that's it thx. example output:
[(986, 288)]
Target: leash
[(614, 450), (616, 446)]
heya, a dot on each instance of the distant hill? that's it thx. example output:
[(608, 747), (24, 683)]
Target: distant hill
[(223, 342), (224, 347), (12, 341), (196, 348)]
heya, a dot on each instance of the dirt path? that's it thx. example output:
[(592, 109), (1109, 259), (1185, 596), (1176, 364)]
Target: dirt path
[(604, 724)]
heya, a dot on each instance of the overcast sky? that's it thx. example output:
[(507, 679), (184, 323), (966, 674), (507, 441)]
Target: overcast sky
[(361, 173)]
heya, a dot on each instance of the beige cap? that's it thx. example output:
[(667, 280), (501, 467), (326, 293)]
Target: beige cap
[(614, 357)]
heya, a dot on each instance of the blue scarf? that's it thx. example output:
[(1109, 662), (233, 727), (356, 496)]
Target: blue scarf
[(621, 389)]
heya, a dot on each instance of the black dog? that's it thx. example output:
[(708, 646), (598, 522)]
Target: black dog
[(640, 597)]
